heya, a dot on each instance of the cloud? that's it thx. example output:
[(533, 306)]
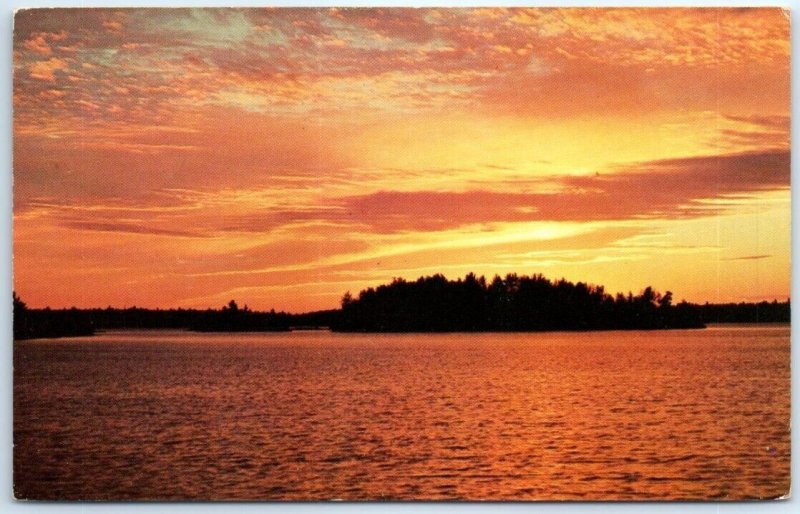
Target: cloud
[(219, 150), (749, 138), (665, 189), (38, 45), (756, 131), (776, 123), (112, 26), (128, 228), (657, 190), (414, 59), (45, 70), (748, 258), (661, 37)]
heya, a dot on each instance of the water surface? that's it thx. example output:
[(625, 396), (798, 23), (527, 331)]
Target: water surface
[(315, 415)]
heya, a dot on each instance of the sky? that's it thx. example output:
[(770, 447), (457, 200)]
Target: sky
[(183, 158)]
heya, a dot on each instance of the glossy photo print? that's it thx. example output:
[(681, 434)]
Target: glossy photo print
[(401, 254)]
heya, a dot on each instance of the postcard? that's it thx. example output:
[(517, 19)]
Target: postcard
[(305, 254)]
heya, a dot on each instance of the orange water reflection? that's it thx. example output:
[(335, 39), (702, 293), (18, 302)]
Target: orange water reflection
[(615, 415)]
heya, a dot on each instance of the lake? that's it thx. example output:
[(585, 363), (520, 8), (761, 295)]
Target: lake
[(701, 414)]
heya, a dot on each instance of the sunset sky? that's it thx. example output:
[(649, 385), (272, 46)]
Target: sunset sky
[(182, 158)]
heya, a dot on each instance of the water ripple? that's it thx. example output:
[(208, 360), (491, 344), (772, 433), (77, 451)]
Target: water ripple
[(299, 416)]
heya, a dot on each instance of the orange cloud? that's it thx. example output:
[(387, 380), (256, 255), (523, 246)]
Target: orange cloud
[(45, 70), (38, 45), (662, 189), (375, 46)]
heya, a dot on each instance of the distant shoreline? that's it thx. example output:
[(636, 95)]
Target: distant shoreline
[(749, 323), (99, 333), (435, 305)]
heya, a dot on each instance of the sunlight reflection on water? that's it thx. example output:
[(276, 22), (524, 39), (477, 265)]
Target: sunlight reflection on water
[(315, 415)]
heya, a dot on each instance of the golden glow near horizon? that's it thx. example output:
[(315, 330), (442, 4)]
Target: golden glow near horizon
[(179, 157)]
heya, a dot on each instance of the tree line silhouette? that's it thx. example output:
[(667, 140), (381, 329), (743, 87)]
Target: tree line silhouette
[(512, 303), (44, 323), (40, 323), (429, 304), (761, 312), (233, 319)]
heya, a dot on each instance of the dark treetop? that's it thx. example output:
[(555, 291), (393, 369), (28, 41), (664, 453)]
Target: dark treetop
[(513, 303)]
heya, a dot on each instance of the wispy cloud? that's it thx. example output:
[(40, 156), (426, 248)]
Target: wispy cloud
[(664, 189), (129, 228), (748, 258)]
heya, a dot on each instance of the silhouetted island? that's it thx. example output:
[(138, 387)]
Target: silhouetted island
[(513, 303), (429, 304)]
